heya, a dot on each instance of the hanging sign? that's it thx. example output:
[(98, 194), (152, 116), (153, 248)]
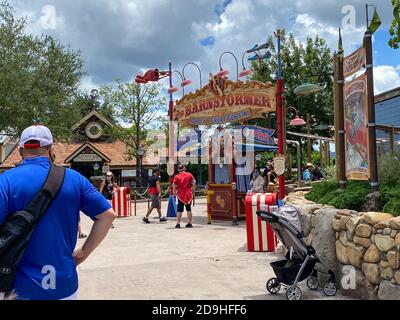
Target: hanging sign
[(279, 165), (225, 101), (354, 62), (258, 134), (356, 125)]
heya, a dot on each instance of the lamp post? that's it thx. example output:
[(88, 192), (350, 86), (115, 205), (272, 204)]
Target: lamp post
[(185, 83), (297, 121), (140, 153), (182, 78), (245, 72), (156, 75), (307, 89), (224, 72), (279, 106)]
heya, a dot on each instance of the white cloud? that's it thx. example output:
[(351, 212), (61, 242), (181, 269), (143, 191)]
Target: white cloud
[(120, 38), (386, 78)]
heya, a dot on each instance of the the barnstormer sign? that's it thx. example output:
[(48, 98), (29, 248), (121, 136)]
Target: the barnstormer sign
[(223, 101)]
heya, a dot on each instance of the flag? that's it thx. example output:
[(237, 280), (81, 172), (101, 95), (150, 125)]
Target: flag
[(340, 41), (375, 22)]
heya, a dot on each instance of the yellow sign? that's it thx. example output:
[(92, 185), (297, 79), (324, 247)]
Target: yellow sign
[(223, 101)]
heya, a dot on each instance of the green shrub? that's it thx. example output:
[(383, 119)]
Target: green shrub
[(320, 189), (329, 173), (389, 170), (393, 206), (327, 192)]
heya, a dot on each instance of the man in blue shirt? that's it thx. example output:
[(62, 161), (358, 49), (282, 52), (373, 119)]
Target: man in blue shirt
[(47, 270)]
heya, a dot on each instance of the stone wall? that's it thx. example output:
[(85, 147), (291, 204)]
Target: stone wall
[(370, 242), (367, 243)]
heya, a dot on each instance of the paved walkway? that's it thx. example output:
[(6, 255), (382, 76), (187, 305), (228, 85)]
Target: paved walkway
[(156, 261)]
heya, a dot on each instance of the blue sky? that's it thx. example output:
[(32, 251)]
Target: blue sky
[(383, 53)]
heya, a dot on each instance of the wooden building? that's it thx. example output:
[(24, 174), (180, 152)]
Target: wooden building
[(93, 152)]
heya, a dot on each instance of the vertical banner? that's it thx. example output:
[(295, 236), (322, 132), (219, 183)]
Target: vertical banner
[(356, 126)]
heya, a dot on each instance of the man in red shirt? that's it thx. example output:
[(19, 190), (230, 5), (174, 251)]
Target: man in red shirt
[(183, 185)]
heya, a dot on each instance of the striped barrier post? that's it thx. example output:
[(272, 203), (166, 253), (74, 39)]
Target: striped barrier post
[(260, 237), (121, 202)]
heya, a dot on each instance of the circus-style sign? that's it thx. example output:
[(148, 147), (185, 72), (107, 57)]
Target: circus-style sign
[(224, 101)]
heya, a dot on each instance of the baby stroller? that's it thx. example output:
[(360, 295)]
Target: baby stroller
[(301, 259)]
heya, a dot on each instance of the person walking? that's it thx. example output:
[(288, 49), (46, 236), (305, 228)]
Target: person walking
[(183, 186), (47, 270), (257, 182), (155, 194), (108, 188)]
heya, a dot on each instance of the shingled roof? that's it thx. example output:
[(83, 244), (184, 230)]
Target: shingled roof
[(115, 151)]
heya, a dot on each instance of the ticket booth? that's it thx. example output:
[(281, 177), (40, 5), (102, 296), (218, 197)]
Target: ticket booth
[(229, 176)]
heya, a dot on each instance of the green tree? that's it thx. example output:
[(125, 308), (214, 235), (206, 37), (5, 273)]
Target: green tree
[(39, 78), (137, 109), (395, 27), (311, 62)]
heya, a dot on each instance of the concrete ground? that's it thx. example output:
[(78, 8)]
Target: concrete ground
[(156, 261)]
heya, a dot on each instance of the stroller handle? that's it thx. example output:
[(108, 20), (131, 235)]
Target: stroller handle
[(267, 216)]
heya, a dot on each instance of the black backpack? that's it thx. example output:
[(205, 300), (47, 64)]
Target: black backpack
[(17, 230)]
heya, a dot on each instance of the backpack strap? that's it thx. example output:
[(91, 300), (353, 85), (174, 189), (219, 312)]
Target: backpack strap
[(42, 201)]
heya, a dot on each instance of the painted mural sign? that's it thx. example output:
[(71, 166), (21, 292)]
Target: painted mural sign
[(354, 62), (224, 101), (258, 134), (356, 126)]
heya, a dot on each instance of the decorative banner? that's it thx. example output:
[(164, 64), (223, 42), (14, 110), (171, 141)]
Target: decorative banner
[(356, 126), (259, 135), (354, 62), (279, 165), (223, 101)]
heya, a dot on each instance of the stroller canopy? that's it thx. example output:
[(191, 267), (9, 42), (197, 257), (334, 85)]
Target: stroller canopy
[(291, 214), (288, 229)]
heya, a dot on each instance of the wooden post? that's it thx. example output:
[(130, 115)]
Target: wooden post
[(327, 153), (391, 140), (339, 124), (373, 160), (321, 153), (309, 142), (336, 110)]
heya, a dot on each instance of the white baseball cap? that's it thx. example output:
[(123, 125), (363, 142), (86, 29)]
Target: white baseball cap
[(41, 134)]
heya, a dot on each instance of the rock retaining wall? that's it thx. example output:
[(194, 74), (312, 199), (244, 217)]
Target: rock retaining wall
[(368, 244)]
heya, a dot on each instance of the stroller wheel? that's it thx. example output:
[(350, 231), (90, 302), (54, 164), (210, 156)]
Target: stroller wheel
[(273, 286), (330, 289), (293, 293), (313, 283)]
